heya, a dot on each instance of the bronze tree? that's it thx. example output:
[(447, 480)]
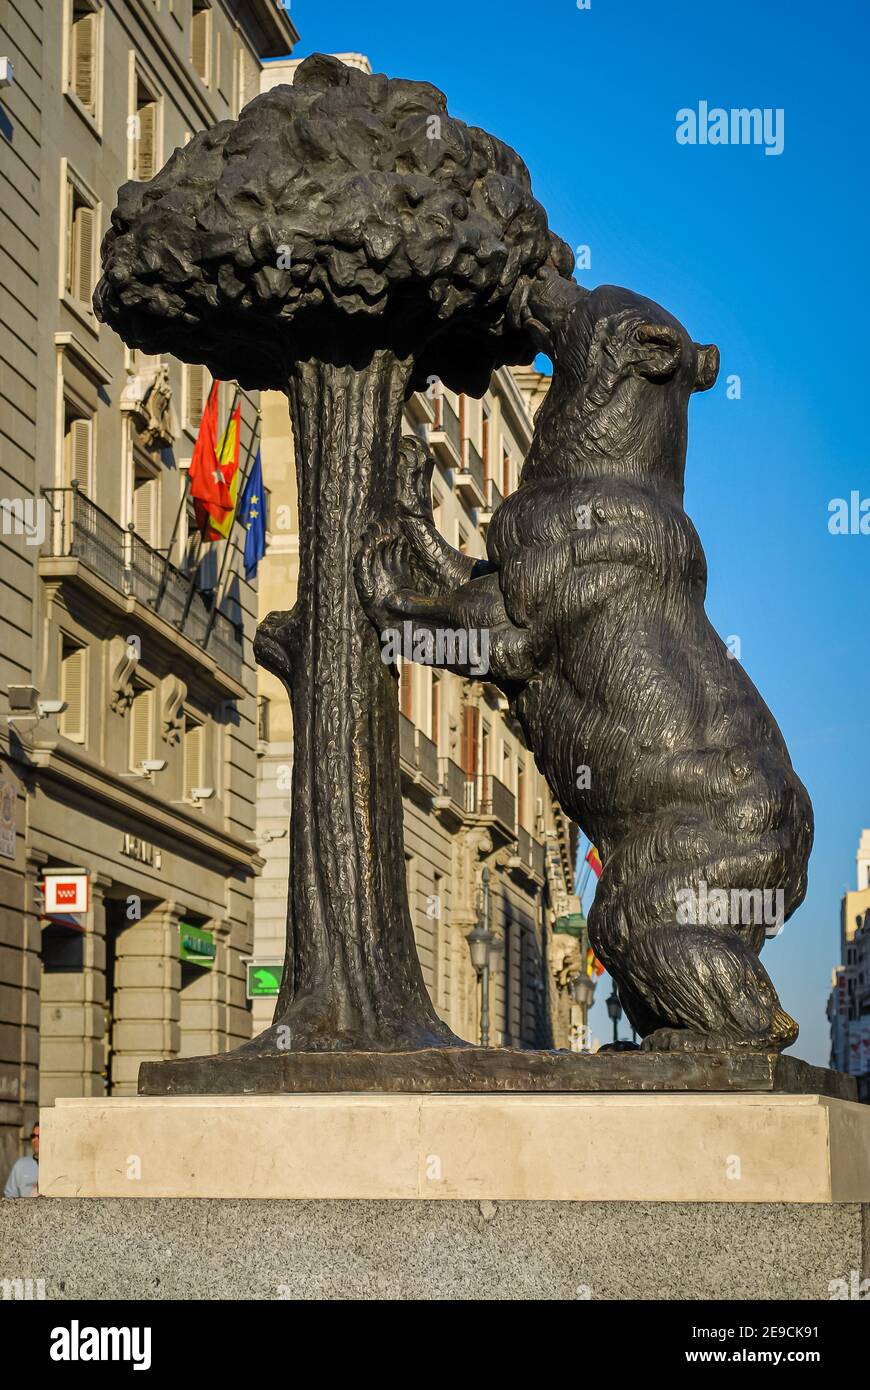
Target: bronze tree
[(346, 241)]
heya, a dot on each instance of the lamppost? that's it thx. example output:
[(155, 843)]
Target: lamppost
[(614, 1009), (582, 990), (483, 945)]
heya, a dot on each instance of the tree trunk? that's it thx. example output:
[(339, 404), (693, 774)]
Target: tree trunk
[(352, 978)]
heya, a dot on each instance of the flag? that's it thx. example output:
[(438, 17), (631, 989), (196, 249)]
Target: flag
[(593, 859), (228, 462), (593, 964), (252, 514), (208, 488)]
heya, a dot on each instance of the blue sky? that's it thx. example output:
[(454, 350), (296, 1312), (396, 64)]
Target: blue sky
[(763, 255)]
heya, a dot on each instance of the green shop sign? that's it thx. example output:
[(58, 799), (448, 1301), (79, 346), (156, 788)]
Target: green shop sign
[(572, 924), (264, 978), (197, 945)]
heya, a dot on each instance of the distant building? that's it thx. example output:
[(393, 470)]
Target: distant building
[(127, 724), (849, 1002)]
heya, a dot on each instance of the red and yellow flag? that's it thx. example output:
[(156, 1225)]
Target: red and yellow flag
[(593, 859), (208, 488), (228, 461), (593, 964)]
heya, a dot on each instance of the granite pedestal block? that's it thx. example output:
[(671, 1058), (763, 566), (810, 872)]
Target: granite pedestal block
[(188, 1249)]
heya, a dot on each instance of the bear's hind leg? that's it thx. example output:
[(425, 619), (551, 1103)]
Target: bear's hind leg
[(710, 990)]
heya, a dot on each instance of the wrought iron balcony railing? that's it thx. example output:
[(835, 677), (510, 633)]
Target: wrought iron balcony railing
[(474, 465), (80, 529)]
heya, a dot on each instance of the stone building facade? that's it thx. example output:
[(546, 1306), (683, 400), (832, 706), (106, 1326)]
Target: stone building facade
[(848, 1007), (144, 781)]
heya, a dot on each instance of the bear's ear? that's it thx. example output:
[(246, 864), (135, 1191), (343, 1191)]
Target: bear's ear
[(708, 366), (658, 350)]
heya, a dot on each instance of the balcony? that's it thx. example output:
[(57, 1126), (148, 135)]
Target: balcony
[(469, 480), (451, 801), (529, 857), (494, 500), (418, 760), (427, 760), (420, 408), (444, 437), (491, 801), (407, 745), (82, 532)]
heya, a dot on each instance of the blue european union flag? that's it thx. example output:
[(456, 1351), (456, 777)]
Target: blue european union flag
[(252, 514)]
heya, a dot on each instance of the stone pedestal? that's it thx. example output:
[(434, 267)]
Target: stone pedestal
[(726, 1148), (474, 1250)]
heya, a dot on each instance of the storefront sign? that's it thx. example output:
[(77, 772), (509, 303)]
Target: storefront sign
[(197, 945), (67, 893), (140, 850), (264, 978)]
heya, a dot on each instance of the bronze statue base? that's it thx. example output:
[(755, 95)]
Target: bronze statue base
[(485, 1069)]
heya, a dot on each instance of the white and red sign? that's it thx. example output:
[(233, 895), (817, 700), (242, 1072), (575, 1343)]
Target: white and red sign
[(67, 893)]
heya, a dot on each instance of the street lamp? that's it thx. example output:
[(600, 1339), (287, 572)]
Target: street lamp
[(582, 990), (614, 1009), (483, 945)]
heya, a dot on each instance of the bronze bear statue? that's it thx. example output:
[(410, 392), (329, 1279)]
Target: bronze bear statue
[(650, 734)]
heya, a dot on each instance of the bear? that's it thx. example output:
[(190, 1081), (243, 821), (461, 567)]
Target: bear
[(650, 734)]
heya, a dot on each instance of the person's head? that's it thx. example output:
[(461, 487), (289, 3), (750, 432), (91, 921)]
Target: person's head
[(34, 1139)]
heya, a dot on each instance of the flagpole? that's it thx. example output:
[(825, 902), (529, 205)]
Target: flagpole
[(196, 559), (229, 542)]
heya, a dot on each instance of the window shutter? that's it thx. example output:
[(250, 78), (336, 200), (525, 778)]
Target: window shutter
[(84, 54), (469, 740), (406, 689), (192, 757), (140, 730), (81, 436), (195, 395), (144, 498), (146, 151), (200, 44), (85, 228), (72, 690)]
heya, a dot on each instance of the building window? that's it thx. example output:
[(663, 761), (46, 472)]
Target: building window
[(263, 718), (144, 133), (521, 792), (506, 473), (78, 449), (73, 673), (193, 745), (81, 232), (406, 689), (470, 734), (83, 49), (196, 385), (200, 40), (146, 503), (140, 727)]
